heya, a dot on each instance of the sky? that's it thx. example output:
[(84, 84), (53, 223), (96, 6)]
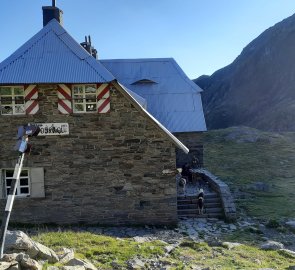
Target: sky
[(201, 35)]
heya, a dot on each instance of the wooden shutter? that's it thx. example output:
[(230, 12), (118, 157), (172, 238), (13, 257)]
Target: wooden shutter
[(31, 99), (37, 183)]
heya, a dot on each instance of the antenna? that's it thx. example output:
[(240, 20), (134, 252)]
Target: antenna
[(53, 3)]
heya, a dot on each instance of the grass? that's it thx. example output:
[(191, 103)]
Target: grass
[(101, 250), (242, 163), (242, 257)]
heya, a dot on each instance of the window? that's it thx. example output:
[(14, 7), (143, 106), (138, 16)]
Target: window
[(23, 187), (12, 100), (84, 98)]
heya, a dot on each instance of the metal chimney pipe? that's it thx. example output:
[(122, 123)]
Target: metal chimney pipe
[(53, 3)]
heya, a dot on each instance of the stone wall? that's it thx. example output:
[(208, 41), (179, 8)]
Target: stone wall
[(108, 170), (194, 141)]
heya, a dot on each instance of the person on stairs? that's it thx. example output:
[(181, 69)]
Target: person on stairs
[(200, 202)]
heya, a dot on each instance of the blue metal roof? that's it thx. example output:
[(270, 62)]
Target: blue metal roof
[(171, 96), (52, 56)]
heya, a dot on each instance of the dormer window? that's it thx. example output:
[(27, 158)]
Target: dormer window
[(143, 81), (12, 99)]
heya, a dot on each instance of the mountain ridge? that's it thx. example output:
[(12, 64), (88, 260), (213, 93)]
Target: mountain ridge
[(258, 88)]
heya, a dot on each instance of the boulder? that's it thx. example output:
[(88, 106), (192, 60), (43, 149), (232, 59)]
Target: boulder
[(287, 253), (65, 255), (30, 264), (45, 253), (84, 263), (230, 245), (272, 245), (291, 224), (17, 241), (9, 265), (77, 267)]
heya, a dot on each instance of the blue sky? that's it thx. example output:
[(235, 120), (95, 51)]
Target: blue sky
[(201, 35)]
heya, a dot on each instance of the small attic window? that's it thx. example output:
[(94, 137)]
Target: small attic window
[(143, 81)]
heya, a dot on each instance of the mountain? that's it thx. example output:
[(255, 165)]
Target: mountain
[(258, 88)]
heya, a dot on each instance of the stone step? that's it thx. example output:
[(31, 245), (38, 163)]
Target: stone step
[(216, 210), (196, 215), (192, 197), (195, 206), (194, 201)]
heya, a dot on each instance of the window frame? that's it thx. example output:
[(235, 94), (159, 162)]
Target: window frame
[(19, 186), (13, 97), (82, 97)]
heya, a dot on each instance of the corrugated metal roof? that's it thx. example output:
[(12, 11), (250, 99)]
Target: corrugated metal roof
[(52, 56), (173, 98)]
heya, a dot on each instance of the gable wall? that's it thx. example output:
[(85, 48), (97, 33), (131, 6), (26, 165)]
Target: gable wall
[(107, 171)]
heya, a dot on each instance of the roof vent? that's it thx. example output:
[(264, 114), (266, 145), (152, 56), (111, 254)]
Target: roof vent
[(52, 12), (87, 46)]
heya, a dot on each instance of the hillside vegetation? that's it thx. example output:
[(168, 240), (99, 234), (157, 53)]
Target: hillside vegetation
[(258, 166)]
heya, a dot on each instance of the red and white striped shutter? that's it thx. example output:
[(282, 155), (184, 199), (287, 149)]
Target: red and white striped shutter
[(64, 99), (31, 99), (103, 98)]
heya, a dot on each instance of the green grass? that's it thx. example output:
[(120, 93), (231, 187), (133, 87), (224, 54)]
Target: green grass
[(101, 250), (242, 257), (271, 159)]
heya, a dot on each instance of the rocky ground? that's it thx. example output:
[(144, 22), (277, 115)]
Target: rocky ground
[(24, 253)]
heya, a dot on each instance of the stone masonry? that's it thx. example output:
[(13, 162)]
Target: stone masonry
[(108, 170)]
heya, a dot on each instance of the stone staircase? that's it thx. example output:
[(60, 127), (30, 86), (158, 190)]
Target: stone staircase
[(187, 206)]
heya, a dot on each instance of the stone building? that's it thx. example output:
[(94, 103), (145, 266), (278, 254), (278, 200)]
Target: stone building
[(100, 158)]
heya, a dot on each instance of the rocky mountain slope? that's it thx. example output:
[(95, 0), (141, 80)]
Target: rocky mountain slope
[(258, 88)]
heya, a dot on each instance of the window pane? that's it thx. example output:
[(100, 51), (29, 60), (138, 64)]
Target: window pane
[(9, 173), (20, 109), (5, 91), (90, 89), (6, 100), (90, 107), (78, 107), (6, 110), (18, 91), (78, 90), (7, 191), (8, 182), (19, 100), (24, 190), (24, 173), (24, 182)]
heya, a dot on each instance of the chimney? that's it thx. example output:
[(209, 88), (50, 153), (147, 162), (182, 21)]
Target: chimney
[(87, 46), (52, 12)]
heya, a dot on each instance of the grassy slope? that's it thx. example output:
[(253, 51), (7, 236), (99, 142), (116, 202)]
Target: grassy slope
[(230, 154), (103, 251)]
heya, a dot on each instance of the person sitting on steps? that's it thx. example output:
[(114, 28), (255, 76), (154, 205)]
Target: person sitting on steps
[(185, 172)]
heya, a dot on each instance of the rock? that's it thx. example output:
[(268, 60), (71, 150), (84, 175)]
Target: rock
[(17, 241), (230, 245), (135, 264), (9, 257), (291, 224), (30, 264), (272, 245), (66, 255), (169, 248), (287, 252), (77, 262), (140, 239), (77, 267), (52, 268), (9, 265), (45, 253)]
